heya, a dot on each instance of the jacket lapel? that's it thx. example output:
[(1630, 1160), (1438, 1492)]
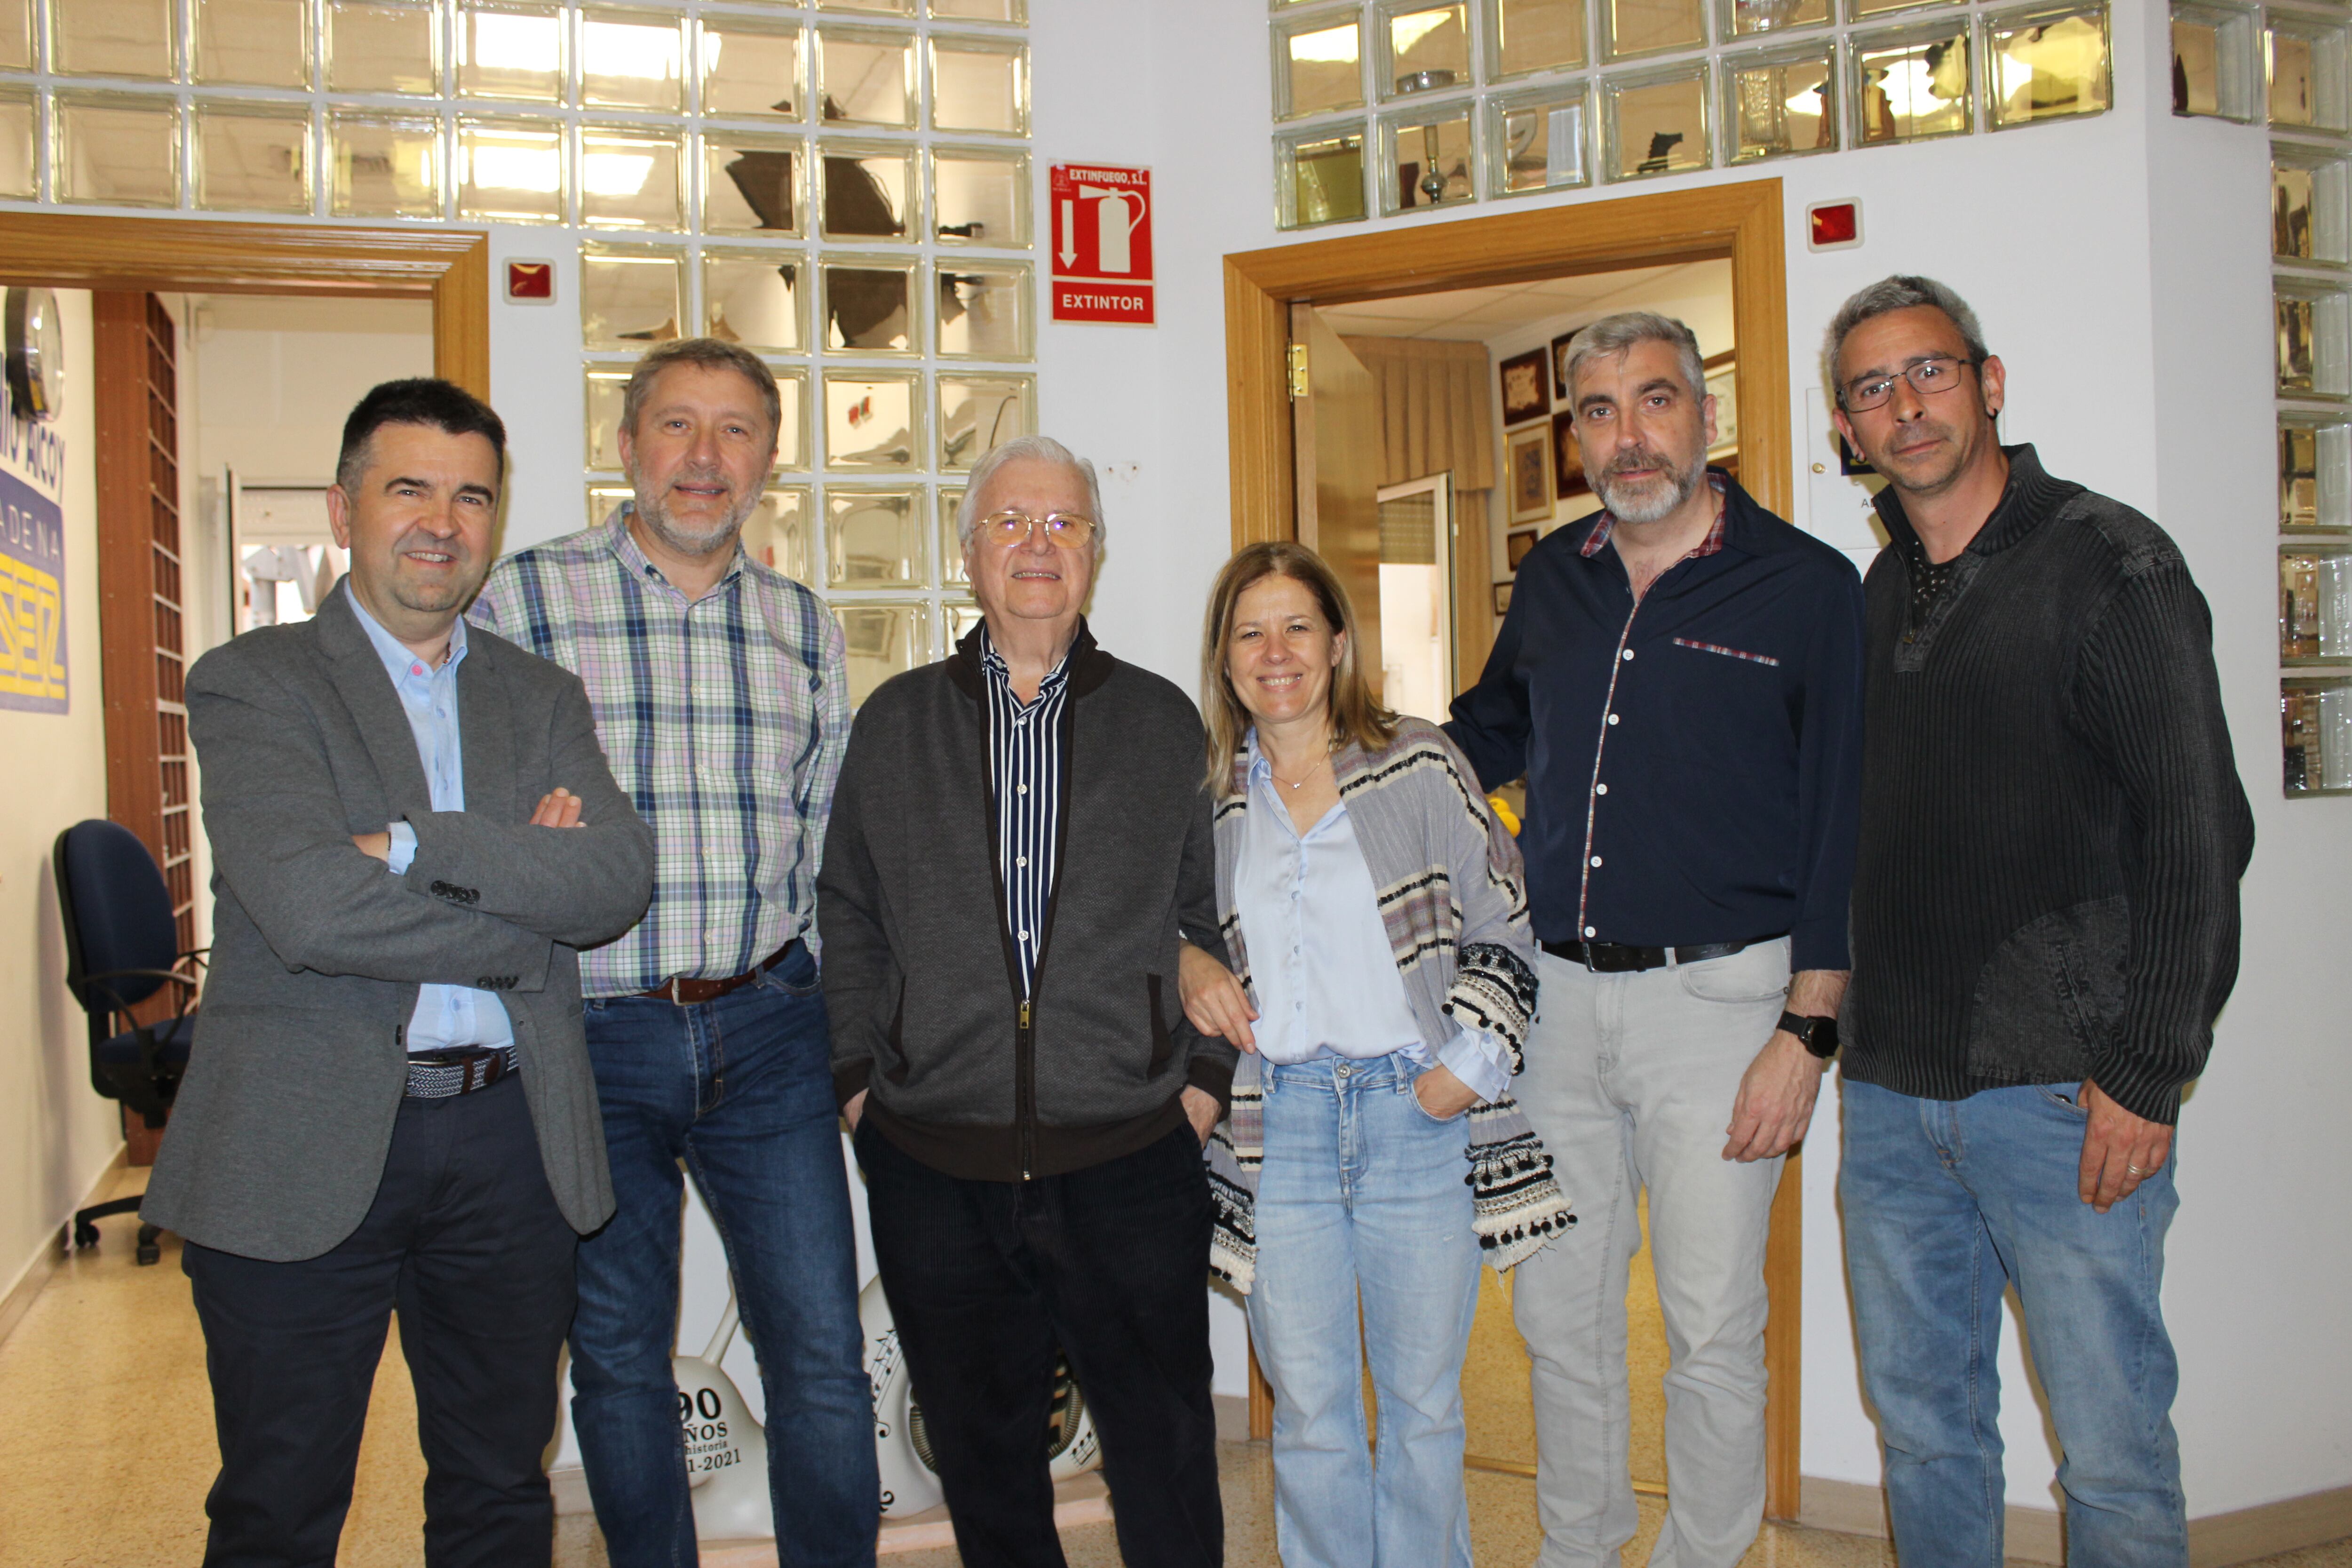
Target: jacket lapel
[(486, 722), (360, 679)]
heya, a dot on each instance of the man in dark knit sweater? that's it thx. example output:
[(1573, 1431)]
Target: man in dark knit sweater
[(1020, 844), (2045, 923)]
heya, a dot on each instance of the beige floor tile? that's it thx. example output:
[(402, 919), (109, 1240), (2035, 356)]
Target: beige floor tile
[(106, 1442)]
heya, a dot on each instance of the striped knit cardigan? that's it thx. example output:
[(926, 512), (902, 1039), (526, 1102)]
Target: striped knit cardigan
[(1454, 904)]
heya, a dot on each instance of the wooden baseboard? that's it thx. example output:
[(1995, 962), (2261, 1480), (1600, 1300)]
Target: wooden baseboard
[(44, 1263), (2035, 1534)]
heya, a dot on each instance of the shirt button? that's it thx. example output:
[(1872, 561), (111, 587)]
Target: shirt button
[(1023, 789), (1596, 860), (1612, 718), (1025, 936), (1590, 932), (1627, 655), (1021, 861), (1601, 789)]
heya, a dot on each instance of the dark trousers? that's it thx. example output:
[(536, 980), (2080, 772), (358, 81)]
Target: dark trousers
[(1110, 1263), (466, 1240)]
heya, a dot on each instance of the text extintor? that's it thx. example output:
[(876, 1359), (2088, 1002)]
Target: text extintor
[(1102, 245)]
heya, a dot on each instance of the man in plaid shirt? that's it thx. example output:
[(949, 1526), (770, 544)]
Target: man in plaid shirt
[(720, 700)]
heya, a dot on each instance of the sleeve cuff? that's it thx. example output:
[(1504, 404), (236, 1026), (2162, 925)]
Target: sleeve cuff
[(2144, 1095), (1479, 1058), (1212, 1075), (849, 1081), (1818, 944), (404, 848)]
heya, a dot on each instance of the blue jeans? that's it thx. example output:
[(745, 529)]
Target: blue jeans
[(1947, 1202), (1363, 1191), (741, 1090)]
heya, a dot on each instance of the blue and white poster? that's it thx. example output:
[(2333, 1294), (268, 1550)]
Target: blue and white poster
[(32, 563)]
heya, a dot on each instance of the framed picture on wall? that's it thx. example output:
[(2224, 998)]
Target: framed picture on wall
[(1723, 386), (1527, 389), (1527, 458), (1502, 598), (1567, 458), (1515, 545), (1559, 368)]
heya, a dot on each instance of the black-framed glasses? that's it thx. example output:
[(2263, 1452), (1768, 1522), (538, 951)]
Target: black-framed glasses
[(1068, 530), (1935, 373)]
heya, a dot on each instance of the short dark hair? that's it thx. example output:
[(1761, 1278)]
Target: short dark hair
[(710, 354), (1902, 291), (418, 400)]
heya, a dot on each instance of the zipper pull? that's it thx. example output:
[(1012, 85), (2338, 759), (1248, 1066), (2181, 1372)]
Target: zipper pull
[(1024, 1014)]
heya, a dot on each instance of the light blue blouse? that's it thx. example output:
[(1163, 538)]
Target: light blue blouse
[(1326, 977)]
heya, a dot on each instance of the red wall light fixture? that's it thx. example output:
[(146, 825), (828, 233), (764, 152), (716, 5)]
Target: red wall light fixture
[(1833, 226)]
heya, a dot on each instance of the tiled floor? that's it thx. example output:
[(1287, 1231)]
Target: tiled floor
[(105, 1446)]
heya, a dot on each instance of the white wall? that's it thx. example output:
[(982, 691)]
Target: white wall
[(2142, 375), (276, 377), (55, 1135)]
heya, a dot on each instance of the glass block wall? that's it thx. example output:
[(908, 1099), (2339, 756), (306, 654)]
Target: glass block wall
[(1392, 106), (2284, 66), (842, 186)]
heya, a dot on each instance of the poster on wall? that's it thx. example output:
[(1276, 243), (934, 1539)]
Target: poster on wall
[(32, 562)]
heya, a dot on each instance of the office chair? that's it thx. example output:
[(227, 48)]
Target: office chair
[(121, 947)]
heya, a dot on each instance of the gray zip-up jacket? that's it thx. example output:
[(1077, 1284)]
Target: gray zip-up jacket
[(919, 972)]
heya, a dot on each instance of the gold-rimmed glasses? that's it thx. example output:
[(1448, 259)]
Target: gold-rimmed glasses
[(1066, 530)]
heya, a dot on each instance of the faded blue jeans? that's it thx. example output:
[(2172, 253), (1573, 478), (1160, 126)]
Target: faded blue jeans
[(740, 1090), (1948, 1202), (1363, 1190)]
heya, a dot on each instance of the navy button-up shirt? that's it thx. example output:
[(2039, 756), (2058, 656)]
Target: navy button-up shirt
[(1693, 762)]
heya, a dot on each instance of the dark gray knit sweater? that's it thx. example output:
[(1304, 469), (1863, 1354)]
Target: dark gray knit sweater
[(2052, 828), (919, 974)]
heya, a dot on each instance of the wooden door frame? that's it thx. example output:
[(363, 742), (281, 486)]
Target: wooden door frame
[(1739, 221), (449, 267)]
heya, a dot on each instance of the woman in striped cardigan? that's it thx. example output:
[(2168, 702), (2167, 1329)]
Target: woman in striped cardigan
[(1374, 911)]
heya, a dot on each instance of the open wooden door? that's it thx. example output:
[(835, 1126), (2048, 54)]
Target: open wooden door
[(1335, 415)]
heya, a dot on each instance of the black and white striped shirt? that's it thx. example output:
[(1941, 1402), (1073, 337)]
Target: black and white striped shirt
[(1025, 759)]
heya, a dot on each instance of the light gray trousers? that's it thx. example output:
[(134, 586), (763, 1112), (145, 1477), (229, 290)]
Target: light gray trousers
[(1630, 1081)]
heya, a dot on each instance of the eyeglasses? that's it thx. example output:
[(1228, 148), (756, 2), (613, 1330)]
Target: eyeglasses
[(1936, 372), (1068, 530)]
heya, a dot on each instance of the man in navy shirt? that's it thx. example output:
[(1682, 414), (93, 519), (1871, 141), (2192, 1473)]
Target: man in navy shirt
[(1679, 679)]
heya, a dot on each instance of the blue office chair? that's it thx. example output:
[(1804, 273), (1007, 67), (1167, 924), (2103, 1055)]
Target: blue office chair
[(121, 947)]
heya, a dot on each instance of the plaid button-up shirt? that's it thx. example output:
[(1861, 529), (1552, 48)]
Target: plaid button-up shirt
[(723, 717)]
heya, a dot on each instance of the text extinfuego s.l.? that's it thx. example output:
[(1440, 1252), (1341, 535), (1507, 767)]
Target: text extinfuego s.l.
[(32, 563), (1102, 245)]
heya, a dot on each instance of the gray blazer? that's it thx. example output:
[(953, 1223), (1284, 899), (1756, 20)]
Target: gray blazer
[(278, 1137)]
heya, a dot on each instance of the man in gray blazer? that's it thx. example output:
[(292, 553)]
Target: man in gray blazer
[(389, 1103)]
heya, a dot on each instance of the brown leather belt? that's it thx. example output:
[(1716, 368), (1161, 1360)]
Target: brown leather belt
[(688, 992)]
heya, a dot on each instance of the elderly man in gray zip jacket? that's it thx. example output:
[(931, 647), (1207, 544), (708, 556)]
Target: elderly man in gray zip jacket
[(389, 1101)]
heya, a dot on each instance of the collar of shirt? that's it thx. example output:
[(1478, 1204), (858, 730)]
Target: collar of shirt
[(1605, 525), (632, 554), (1000, 673), (399, 662)]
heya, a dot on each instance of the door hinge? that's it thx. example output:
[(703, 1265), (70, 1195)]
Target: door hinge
[(1299, 370)]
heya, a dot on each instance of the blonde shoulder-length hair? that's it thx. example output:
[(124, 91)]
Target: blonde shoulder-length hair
[(1356, 715)]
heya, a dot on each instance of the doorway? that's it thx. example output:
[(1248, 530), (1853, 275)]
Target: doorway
[(148, 630), (1741, 224)]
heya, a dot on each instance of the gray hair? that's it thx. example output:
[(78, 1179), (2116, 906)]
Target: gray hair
[(1615, 335), (1903, 291), (1034, 448), (711, 353)]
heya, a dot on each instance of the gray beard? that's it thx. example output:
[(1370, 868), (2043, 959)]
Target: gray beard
[(1653, 503), (688, 543)]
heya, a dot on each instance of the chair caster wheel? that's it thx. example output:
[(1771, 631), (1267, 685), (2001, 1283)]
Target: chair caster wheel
[(84, 1235), (150, 1253)]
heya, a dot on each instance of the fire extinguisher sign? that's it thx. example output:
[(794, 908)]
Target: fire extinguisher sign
[(1102, 244)]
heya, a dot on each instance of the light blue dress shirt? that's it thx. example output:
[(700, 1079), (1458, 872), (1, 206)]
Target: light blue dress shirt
[(446, 1016), (1319, 959)]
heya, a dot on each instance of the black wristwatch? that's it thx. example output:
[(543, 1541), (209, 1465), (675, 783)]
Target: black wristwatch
[(1818, 1035)]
